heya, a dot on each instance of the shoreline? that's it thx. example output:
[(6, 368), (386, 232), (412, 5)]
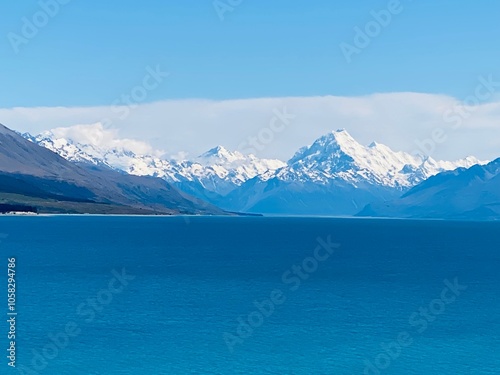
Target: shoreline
[(241, 216)]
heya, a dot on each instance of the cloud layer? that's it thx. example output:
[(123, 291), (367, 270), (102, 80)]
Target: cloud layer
[(438, 125), (96, 135)]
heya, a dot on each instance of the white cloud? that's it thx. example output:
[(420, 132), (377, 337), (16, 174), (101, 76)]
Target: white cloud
[(97, 135), (194, 126)]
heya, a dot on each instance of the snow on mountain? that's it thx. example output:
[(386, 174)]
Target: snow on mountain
[(337, 155), (34, 176), (237, 167), (218, 170), (334, 174)]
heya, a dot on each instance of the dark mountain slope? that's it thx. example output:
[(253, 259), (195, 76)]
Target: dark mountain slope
[(472, 194), (30, 173)]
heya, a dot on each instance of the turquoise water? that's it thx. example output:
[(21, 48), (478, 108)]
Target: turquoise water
[(370, 296)]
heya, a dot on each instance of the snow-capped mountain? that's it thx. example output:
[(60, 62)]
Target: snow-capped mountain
[(231, 166), (334, 175), (33, 178), (337, 155), (217, 171), (337, 175)]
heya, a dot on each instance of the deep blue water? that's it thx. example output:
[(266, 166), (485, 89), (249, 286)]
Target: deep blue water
[(195, 280)]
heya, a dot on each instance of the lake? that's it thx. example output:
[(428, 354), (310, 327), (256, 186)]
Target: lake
[(252, 295)]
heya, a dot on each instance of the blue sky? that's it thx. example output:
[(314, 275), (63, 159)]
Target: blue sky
[(91, 52), (422, 60)]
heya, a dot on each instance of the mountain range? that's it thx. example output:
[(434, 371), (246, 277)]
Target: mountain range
[(335, 175), (465, 193), (34, 177)]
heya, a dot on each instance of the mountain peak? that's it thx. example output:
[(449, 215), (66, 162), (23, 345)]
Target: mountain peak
[(338, 139), (218, 150), (331, 146), (220, 153), (341, 136), (337, 155)]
